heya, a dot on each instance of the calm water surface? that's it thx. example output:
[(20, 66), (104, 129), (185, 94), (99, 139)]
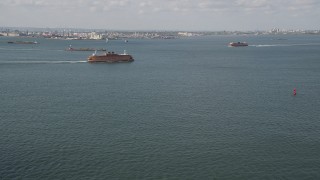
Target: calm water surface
[(184, 109)]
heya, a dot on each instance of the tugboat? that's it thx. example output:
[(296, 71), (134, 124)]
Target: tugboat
[(110, 57), (238, 44)]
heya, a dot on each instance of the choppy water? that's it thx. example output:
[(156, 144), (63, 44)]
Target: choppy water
[(184, 109)]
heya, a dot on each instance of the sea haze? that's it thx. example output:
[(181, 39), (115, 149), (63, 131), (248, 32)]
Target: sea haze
[(184, 109)]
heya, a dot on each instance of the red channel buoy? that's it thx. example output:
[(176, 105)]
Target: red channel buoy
[(294, 91)]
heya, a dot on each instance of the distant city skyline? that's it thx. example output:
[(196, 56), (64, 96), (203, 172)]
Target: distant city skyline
[(191, 15)]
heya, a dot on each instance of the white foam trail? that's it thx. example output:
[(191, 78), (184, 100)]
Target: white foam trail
[(279, 45), (41, 62)]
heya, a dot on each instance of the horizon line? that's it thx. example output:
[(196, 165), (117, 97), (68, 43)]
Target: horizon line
[(163, 30)]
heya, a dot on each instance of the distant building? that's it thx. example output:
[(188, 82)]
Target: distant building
[(13, 34), (95, 36), (187, 34)]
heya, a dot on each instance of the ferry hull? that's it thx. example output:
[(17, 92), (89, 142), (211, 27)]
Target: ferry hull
[(110, 58)]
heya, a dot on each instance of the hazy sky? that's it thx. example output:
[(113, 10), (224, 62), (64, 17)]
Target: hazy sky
[(162, 14)]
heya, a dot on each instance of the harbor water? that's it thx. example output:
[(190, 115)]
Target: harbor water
[(184, 109)]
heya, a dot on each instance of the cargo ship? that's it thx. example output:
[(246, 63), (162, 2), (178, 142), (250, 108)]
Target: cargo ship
[(23, 42), (238, 44), (110, 57), (83, 49)]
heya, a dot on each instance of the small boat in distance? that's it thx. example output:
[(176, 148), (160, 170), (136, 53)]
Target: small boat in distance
[(110, 57), (238, 44)]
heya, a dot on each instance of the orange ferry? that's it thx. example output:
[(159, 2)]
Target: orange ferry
[(110, 57)]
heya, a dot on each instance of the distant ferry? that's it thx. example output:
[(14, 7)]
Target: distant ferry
[(238, 44), (110, 57)]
